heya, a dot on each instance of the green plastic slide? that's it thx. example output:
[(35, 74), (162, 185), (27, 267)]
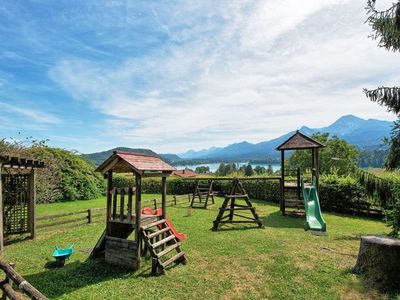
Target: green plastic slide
[(314, 219)]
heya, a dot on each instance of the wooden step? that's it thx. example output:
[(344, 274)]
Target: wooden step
[(163, 241), (145, 227), (157, 233), (237, 196), (238, 208), (172, 259), (168, 250)]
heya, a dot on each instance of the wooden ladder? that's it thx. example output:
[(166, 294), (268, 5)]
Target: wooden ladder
[(163, 246), (230, 205), (203, 190)]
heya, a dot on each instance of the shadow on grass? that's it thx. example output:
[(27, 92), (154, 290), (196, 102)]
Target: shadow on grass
[(57, 281), (13, 240), (276, 220), (236, 228)]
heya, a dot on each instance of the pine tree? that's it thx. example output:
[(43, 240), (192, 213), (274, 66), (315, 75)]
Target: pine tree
[(386, 30)]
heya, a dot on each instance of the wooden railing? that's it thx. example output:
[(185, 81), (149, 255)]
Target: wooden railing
[(22, 287), (93, 215)]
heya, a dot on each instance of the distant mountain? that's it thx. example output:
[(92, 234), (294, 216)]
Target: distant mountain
[(364, 134), (98, 157)]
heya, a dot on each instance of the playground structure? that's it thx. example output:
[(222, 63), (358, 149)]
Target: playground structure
[(231, 205), (203, 188), (124, 218), (17, 196), (290, 191)]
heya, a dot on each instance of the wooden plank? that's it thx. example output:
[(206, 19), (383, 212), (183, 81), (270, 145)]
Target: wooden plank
[(138, 215), (168, 250), (173, 259), (130, 199), (61, 222), (147, 226), (114, 204), (1, 214), (163, 241), (122, 205), (109, 195), (78, 212), (157, 233), (32, 204)]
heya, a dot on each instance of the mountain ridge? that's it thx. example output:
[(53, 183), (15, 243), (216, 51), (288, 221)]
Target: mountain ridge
[(364, 134)]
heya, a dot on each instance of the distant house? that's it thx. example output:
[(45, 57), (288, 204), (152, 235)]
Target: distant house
[(184, 173)]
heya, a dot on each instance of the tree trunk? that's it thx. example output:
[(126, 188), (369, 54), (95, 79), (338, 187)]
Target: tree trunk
[(379, 261)]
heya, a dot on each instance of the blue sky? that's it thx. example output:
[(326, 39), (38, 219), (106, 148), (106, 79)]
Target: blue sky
[(178, 75)]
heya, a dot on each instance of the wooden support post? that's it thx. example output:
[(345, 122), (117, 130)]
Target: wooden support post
[(130, 199), (164, 196), (90, 216), (109, 196), (298, 183), (122, 205), (1, 215), (283, 182), (138, 213), (32, 204), (317, 169)]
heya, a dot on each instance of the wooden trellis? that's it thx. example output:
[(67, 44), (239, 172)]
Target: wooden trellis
[(17, 196)]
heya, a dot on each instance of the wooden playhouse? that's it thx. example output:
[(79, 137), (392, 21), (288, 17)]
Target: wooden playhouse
[(124, 216)]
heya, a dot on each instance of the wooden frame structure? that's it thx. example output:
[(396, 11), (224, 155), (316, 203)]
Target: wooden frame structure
[(124, 215), (17, 196), (298, 141), (230, 205), (203, 188)]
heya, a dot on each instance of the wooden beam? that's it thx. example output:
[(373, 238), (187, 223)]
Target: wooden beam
[(164, 196), (138, 213), (32, 204), (1, 215), (283, 212)]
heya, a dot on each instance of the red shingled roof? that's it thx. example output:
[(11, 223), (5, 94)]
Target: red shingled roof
[(127, 161), (184, 173)]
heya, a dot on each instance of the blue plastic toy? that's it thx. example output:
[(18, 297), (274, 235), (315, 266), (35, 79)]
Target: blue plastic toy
[(62, 254)]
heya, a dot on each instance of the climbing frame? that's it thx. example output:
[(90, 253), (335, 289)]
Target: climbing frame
[(231, 204), (203, 192)]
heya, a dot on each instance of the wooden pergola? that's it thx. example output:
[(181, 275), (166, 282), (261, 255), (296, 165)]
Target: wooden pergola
[(298, 141), (124, 215), (17, 196)]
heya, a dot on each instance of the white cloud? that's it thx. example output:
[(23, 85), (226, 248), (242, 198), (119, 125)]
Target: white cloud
[(244, 72), (31, 114)]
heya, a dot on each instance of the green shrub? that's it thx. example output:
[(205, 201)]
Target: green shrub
[(342, 194)]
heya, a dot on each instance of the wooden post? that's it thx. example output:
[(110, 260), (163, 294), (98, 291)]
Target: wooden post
[(298, 183), (164, 196), (138, 213), (317, 169), (1, 214), (109, 196), (90, 218), (283, 182), (32, 203)]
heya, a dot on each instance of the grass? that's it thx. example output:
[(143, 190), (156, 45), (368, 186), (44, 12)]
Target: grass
[(280, 261)]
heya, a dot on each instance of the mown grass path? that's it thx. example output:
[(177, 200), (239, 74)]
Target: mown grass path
[(281, 261)]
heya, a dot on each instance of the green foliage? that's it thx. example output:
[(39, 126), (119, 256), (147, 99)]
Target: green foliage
[(67, 177), (392, 160), (337, 156), (248, 170), (373, 159), (202, 169), (225, 169)]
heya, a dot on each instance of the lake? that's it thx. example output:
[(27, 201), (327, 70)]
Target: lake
[(214, 166)]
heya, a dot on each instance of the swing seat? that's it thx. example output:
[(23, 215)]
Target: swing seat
[(62, 254)]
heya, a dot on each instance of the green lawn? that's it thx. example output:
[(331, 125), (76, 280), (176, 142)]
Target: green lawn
[(280, 261)]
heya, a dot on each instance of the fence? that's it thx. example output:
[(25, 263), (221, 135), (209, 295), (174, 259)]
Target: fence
[(22, 286), (92, 215)]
